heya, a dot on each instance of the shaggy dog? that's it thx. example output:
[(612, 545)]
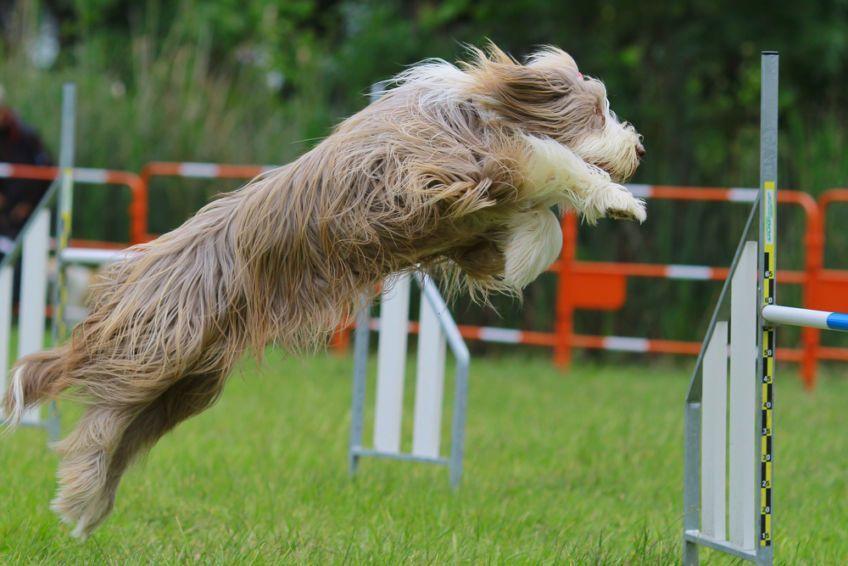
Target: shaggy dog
[(453, 170)]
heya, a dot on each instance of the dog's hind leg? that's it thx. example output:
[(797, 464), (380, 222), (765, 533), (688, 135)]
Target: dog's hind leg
[(86, 454), (89, 502)]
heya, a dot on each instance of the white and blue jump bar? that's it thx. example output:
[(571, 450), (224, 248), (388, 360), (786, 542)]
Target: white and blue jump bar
[(826, 320)]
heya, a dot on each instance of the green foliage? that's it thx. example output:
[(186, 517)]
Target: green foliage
[(257, 81)]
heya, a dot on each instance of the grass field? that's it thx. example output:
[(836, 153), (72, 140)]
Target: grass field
[(583, 469)]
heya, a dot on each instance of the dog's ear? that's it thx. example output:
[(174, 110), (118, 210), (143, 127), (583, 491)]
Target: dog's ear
[(529, 94), (546, 96), (501, 80)]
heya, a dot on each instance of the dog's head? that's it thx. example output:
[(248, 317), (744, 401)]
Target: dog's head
[(548, 96)]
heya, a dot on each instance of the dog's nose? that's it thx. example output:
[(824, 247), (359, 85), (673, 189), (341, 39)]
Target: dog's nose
[(640, 150)]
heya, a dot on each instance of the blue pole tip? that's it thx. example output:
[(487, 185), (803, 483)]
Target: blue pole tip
[(837, 321)]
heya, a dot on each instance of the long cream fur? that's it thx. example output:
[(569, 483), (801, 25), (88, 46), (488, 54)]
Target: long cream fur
[(454, 170)]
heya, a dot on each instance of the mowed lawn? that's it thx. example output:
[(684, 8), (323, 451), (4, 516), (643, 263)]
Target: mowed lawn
[(579, 468)]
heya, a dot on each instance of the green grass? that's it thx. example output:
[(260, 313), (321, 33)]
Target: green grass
[(584, 468)]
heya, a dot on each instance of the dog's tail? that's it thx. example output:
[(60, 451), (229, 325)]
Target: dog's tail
[(34, 378)]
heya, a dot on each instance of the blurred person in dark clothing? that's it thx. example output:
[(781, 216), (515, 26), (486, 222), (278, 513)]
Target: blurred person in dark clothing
[(19, 143)]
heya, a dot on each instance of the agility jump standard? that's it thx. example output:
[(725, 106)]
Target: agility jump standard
[(32, 245), (437, 330), (747, 338)]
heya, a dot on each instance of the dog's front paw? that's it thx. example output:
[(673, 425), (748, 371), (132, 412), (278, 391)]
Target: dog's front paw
[(616, 202), (634, 211)]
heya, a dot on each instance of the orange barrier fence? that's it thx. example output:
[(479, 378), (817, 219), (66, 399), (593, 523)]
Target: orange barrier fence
[(581, 285), (603, 286), (829, 289), (87, 176), (185, 170)]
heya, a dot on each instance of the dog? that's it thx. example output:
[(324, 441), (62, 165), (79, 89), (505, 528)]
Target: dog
[(455, 170)]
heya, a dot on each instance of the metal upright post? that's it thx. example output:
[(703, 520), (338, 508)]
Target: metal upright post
[(463, 360), (692, 478), (360, 354), (63, 231), (64, 208), (360, 373), (767, 283)]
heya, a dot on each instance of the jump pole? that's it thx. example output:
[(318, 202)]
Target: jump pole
[(728, 506)]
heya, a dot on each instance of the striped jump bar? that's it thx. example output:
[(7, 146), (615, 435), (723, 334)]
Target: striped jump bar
[(734, 194), (216, 170), (826, 320), (86, 175)]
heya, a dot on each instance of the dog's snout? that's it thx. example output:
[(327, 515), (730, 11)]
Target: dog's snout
[(640, 150)]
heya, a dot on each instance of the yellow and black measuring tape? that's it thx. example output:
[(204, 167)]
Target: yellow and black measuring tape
[(767, 378)]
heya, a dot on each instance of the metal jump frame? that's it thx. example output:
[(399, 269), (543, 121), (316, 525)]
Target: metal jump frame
[(750, 349), (61, 192), (431, 294), (439, 311)]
